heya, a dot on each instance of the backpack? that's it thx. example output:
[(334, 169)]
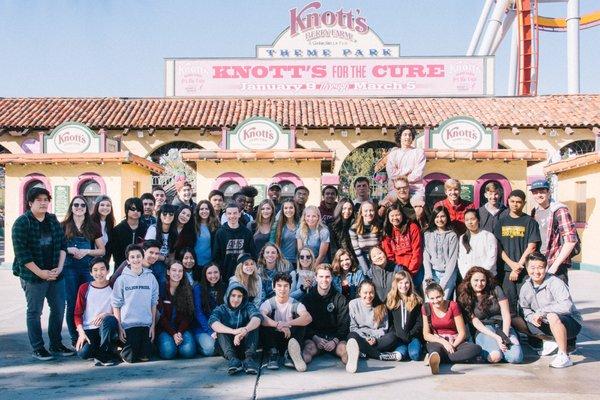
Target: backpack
[(273, 307)]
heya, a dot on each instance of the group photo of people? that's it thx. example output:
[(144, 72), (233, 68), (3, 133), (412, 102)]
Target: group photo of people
[(279, 283)]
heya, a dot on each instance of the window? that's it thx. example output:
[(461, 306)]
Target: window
[(229, 188), (90, 189), (580, 199), (287, 190), (434, 192), (576, 148)]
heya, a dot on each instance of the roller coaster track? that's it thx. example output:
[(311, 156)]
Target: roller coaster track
[(560, 24)]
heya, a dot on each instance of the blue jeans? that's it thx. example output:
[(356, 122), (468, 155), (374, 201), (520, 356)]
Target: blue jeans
[(168, 350), (76, 272), (35, 293), (102, 339), (205, 344), (412, 350), (450, 286), (513, 355)]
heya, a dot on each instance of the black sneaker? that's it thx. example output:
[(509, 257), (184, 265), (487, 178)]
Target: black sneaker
[(273, 362), (62, 350), (105, 360), (42, 354), (235, 366), (250, 366)]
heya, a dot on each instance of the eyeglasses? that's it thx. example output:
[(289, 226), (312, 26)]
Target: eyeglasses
[(166, 214), (305, 257), (134, 209), (79, 205)]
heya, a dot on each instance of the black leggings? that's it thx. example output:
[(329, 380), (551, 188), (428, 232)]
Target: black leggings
[(385, 343), (465, 351)]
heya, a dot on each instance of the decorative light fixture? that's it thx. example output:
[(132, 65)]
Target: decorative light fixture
[(569, 131), (305, 131), (553, 133), (384, 130), (140, 134), (344, 133), (542, 131), (515, 131), (357, 130), (331, 130)]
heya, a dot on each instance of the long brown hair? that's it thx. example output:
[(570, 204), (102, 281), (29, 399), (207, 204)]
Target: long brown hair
[(213, 222), (359, 224), (282, 221), (336, 265), (89, 229), (467, 298), (379, 308), (411, 299), (220, 287), (110, 218), (259, 218), (183, 298)]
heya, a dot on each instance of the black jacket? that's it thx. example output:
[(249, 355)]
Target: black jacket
[(487, 221), (122, 236), (382, 279), (413, 324), (330, 318), (228, 245)]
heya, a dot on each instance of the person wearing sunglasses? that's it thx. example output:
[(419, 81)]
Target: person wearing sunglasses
[(84, 242), (129, 231)]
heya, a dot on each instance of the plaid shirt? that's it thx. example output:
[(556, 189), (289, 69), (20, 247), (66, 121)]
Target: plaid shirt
[(560, 229), (26, 244)]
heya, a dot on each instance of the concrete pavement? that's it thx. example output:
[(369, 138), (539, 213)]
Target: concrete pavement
[(22, 377)]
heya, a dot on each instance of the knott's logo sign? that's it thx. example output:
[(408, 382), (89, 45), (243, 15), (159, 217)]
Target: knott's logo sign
[(461, 133), (314, 32), (72, 138), (258, 134), (303, 21)]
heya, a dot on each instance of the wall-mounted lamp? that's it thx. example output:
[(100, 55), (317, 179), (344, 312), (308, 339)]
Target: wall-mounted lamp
[(344, 133), (357, 130), (140, 134), (569, 131), (553, 133), (384, 130), (515, 131), (542, 131), (332, 131)]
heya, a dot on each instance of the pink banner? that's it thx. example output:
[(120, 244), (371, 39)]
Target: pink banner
[(398, 77)]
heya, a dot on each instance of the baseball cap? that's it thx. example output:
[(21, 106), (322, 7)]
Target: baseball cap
[(541, 184), (275, 186), (243, 257)]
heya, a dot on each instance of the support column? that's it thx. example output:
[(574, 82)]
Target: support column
[(573, 46)]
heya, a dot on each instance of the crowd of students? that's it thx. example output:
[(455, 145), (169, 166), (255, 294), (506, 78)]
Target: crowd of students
[(391, 280)]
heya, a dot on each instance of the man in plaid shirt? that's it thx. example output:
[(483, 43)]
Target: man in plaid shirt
[(557, 230), (40, 250)]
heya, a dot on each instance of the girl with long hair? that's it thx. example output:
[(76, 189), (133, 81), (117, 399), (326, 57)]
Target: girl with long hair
[(440, 251), (208, 294), (476, 246), (346, 274), (404, 305), (163, 230), (206, 225), (365, 233), (313, 233), (284, 231), (339, 228), (104, 216), (270, 262), (382, 272), (485, 304), (402, 242), (246, 274), (261, 227), (84, 242), (444, 330), (303, 277), (176, 306), (184, 228), (369, 329), (187, 258)]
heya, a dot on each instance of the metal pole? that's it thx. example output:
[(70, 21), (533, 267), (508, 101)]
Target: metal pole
[(573, 46), (513, 64), (493, 25), (479, 28), (506, 25)]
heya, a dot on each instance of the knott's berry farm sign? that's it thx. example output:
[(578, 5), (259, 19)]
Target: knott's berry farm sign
[(73, 138), (329, 53), (461, 133), (259, 133)]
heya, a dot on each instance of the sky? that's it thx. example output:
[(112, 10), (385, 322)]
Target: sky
[(116, 48)]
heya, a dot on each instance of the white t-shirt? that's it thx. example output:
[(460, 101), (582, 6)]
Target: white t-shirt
[(97, 301), (283, 312)]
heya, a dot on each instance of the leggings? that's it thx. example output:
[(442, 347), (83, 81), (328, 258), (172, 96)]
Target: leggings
[(465, 351), (385, 343)]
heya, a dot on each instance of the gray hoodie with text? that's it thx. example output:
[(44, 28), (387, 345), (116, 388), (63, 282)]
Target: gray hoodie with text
[(135, 295)]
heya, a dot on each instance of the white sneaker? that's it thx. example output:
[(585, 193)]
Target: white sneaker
[(548, 348), (353, 353), (561, 360)]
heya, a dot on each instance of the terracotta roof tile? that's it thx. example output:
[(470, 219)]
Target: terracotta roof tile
[(572, 163), (194, 113)]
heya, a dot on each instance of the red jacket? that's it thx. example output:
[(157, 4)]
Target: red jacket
[(405, 249), (81, 303), (457, 213), (166, 322)]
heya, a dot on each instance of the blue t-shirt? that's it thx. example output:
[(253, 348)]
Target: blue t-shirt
[(314, 239), (202, 248), (289, 246)]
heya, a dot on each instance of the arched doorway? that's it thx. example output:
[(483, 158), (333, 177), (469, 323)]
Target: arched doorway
[(434, 188), (500, 180), (169, 157), (361, 162)]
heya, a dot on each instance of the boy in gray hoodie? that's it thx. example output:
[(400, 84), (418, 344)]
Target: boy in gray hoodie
[(236, 323), (548, 308), (134, 300)]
